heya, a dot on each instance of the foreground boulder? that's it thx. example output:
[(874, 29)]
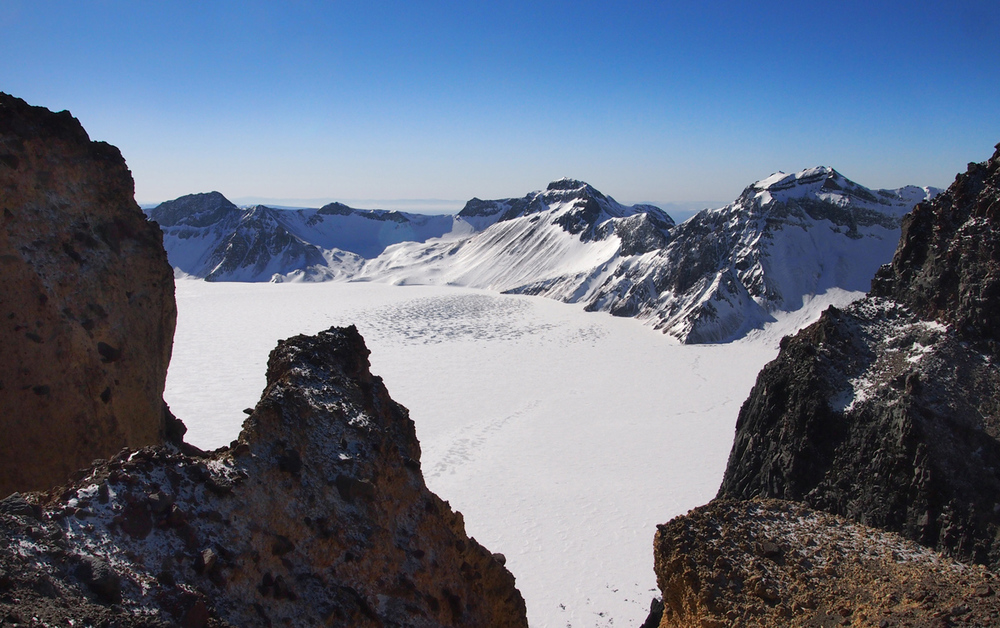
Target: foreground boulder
[(317, 515), (86, 302), (775, 563)]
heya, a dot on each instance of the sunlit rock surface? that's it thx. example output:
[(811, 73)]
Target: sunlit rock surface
[(86, 302)]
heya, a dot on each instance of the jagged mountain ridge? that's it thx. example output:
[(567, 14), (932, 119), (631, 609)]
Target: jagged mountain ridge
[(208, 236), (712, 278), (726, 271)]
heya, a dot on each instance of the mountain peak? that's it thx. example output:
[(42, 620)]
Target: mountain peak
[(782, 181), (193, 209), (567, 184)]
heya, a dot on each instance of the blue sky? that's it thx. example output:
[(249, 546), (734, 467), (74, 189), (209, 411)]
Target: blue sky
[(648, 101)]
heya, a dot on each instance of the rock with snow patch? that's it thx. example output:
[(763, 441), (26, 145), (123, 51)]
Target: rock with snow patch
[(888, 411), (325, 520)]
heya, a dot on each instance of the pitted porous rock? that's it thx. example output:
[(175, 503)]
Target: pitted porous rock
[(86, 303)]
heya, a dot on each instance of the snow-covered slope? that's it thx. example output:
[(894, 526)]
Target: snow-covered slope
[(726, 271), (207, 236), (568, 229)]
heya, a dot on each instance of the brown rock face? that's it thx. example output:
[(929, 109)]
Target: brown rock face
[(775, 563), (87, 307), (317, 516)]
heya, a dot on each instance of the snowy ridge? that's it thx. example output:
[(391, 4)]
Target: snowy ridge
[(728, 271), (714, 278), (207, 236), (566, 233)]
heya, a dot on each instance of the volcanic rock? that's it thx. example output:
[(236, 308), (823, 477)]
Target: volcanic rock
[(888, 411), (86, 302), (325, 521), (714, 568)]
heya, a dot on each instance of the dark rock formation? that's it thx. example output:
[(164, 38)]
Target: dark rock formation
[(886, 412), (889, 412), (775, 563), (86, 302), (947, 266), (317, 515)]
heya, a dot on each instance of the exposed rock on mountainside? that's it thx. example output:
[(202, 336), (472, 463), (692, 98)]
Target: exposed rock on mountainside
[(889, 412), (775, 563), (948, 263), (207, 236), (86, 300), (725, 271), (318, 515)]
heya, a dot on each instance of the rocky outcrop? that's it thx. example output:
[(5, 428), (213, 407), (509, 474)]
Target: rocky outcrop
[(86, 302), (947, 266), (888, 411), (776, 563), (316, 515)]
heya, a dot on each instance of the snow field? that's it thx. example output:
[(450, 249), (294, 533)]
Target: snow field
[(562, 436)]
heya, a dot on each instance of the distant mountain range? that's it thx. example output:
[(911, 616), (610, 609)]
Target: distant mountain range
[(208, 236), (712, 278)]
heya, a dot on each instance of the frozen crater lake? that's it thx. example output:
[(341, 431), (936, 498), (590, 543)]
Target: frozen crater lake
[(562, 436)]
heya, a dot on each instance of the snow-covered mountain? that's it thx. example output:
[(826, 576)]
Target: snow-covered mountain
[(726, 271), (712, 278), (505, 245), (207, 236)]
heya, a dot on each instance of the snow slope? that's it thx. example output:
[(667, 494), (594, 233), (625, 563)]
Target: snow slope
[(568, 228), (563, 437)]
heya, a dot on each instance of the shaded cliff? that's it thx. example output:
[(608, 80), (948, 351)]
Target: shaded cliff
[(86, 302), (317, 515)]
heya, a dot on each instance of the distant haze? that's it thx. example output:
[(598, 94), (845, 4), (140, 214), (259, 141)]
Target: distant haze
[(678, 211)]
